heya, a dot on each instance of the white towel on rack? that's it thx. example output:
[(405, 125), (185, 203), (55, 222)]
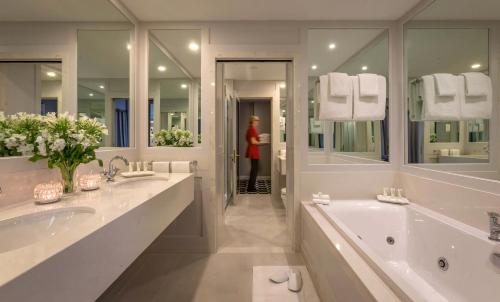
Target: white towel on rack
[(180, 166), (474, 107), (368, 84), (340, 84), (438, 108), (333, 108), (446, 84), (369, 108), (161, 166), (477, 84)]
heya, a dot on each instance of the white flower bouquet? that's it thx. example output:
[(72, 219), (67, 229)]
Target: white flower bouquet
[(175, 138), (64, 141)]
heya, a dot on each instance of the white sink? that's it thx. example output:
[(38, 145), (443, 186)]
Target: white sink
[(133, 182), (27, 229)]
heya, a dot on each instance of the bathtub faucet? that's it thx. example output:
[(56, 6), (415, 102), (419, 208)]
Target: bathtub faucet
[(494, 226)]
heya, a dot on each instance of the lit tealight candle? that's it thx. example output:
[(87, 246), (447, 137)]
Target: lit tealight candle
[(90, 182), (48, 192)]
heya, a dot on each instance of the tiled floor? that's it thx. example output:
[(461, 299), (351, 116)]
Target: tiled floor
[(255, 235), (255, 223)]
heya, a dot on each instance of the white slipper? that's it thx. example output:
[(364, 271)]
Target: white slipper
[(279, 277), (294, 280)]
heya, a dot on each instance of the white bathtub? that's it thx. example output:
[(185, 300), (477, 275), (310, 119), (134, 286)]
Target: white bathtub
[(421, 238)]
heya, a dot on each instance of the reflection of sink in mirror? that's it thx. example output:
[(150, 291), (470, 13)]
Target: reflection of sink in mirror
[(141, 181), (27, 229)]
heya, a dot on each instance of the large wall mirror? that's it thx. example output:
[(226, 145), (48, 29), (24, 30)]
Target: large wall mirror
[(174, 85), (451, 89), (104, 83), (348, 128), (30, 86)]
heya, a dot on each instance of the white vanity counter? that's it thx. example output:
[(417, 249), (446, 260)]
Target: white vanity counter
[(92, 237)]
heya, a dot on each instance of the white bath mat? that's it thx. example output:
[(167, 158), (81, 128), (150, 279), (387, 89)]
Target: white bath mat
[(264, 290)]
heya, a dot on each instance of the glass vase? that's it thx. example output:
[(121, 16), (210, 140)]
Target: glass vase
[(68, 175)]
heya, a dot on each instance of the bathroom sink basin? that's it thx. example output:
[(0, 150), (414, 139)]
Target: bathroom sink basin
[(28, 229), (140, 181)]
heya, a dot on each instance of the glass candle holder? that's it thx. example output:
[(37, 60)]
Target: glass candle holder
[(90, 182), (48, 192)]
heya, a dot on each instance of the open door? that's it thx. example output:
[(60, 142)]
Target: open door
[(230, 135)]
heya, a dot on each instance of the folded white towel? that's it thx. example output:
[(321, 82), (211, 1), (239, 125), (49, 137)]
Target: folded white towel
[(474, 107), (180, 166), (477, 84), (368, 84), (438, 108), (161, 166), (340, 84), (369, 108), (333, 108), (446, 84), (321, 201)]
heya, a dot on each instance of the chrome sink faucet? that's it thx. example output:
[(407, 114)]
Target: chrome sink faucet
[(494, 226), (110, 173)]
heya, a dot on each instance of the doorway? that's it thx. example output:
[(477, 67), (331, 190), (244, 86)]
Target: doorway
[(246, 109), (257, 220)]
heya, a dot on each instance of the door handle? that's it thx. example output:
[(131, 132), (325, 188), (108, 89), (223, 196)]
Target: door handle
[(234, 156)]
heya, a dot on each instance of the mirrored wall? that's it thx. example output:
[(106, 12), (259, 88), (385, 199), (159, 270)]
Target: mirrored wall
[(451, 128), (348, 128), (451, 88), (104, 83), (30, 86), (174, 84)]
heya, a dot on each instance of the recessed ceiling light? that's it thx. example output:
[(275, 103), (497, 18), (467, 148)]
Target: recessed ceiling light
[(91, 94), (282, 85), (101, 86), (364, 68), (51, 74), (184, 86), (314, 67), (283, 110), (162, 68), (129, 47), (194, 46), (312, 102), (332, 46), (213, 84), (475, 66)]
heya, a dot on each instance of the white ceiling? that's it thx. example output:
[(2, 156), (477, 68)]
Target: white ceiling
[(59, 11), (257, 71), (237, 10), (446, 50), (103, 54), (348, 42), (461, 10)]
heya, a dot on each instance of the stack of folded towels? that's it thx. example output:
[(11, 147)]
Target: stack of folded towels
[(346, 98), (320, 198), (450, 97)]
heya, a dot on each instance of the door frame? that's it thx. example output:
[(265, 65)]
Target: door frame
[(292, 208)]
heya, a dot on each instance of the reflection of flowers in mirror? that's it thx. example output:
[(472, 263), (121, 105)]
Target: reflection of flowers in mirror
[(175, 138)]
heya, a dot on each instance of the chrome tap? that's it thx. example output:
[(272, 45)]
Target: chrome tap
[(494, 226), (110, 173)]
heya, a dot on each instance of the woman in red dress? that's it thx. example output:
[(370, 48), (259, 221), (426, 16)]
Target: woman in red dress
[(253, 152)]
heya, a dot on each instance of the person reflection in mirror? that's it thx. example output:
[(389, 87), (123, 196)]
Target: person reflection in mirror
[(253, 152)]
